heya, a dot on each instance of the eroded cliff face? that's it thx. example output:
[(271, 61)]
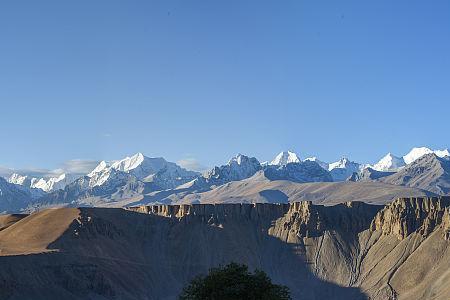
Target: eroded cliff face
[(446, 224), (297, 220), (216, 211), (305, 220), (405, 216), (354, 244), (347, 251)]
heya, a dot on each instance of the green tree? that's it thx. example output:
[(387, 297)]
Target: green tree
[(234, 282)]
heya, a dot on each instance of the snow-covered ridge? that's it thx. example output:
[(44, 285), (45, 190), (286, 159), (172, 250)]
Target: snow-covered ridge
[(344, 162), (418, 152), (442, 153), (284, 158), (140, 166), (343, 169), (389, 162), (47, 185), (99, 168), (238, 167)]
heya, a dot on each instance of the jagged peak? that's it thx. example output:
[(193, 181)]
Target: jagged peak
[(341, 163), (99, 168), (241, 159), (285, 157), (442, 153), (129, 163), (418, 152), (389, 162), (15, 178), (236, 159)]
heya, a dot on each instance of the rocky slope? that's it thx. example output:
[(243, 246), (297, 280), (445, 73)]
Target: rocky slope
[(347, 251), (301, 172), (259, 188), (369, 174), (237, 168), (429, 172)]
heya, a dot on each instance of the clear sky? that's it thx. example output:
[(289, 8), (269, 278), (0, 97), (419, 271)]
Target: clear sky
[(204, 80)]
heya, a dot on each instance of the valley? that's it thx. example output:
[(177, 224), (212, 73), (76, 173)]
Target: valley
[(350, 250)]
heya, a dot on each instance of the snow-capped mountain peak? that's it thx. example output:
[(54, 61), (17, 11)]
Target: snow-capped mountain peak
[(389, 162), (343, 169), (99, 168), (418, 152), (342, 163), (237, 159), (284, 158), (138, 165), (442, 153), (19, 179), (129, 163), (148, 169), (238, 167), (47, 185)]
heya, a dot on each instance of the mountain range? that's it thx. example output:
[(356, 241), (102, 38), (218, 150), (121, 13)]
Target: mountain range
[(139, 179)]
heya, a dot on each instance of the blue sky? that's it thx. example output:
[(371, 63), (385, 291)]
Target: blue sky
[(204, 80)]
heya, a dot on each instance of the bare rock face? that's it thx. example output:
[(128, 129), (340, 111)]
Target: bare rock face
[(407, 215), (446, 224), (218, 212), (307, 220), (430, 172)]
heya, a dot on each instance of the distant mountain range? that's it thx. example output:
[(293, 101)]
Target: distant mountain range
[(47, 185), (139, 179)]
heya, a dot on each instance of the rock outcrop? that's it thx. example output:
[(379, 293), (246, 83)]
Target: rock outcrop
[(407, 215), (446, 224), (305, 220), (222, 211)]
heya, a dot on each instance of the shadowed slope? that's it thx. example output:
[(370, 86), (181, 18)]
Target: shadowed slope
[(8, 220), (127, 255)]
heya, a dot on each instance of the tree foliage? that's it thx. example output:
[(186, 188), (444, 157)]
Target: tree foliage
[(234, 282)]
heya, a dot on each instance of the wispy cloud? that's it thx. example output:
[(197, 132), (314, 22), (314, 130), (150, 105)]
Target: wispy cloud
[(192, 164), (80, 166), (34, 172), (4, 171), (74, 166)]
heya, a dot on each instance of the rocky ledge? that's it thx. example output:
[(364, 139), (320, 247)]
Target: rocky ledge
[(305, 219)]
